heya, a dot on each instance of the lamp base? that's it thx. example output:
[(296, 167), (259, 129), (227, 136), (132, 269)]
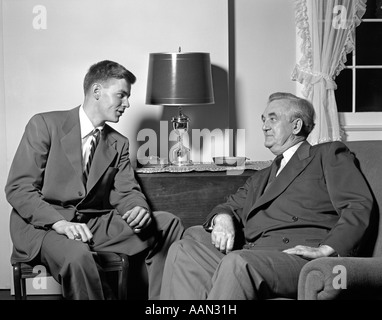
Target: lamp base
[(180, 155), (182, 163)]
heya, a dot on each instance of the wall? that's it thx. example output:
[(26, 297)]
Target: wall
[(50, 64), (44, 68), (251, 43), (265, 57), (5, 242)]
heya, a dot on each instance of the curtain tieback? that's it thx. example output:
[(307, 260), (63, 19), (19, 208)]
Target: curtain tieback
[(313, 77)]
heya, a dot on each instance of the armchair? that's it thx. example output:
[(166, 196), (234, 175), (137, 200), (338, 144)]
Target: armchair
[(344, 277), (352, 277)]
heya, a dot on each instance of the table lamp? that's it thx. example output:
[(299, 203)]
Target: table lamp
[(180, 79)]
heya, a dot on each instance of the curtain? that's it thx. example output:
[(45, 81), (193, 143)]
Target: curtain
[(327, 30)]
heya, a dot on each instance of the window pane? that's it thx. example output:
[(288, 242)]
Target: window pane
[(373, 9), (349, 59), (369, 43), (368, 88), (344, 91)]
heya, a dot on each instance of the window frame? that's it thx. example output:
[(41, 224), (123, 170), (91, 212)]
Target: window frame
[(360, 121)]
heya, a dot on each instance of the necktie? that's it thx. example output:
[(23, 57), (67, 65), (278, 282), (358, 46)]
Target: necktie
[(275, 167), (93, 145)]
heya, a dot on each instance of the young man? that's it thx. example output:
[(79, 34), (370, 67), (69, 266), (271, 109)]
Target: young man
[(316, 204), (73, 192)]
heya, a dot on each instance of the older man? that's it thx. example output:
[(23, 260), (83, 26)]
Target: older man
[(312, 202)]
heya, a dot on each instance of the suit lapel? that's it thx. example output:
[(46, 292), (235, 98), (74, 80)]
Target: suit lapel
[(295, 166), (71, 141), (103, 156), (71, 144)]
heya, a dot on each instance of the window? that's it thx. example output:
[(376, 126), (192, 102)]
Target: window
[(360, 83)]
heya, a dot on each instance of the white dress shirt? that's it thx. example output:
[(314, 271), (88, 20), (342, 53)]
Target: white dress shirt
[(86, 127), (287, 155)]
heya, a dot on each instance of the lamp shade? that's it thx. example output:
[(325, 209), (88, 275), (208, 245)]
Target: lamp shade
[(179, 79)]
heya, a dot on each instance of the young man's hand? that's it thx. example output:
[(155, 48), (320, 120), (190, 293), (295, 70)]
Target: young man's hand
[(137, 218), (73, 230)]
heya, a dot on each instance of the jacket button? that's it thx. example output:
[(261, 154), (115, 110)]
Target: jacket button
[(285, 240), (294, 218)]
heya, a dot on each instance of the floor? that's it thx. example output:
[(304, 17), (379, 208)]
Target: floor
[(6, 295)]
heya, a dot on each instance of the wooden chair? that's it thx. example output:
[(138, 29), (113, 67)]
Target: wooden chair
[(109, 261)]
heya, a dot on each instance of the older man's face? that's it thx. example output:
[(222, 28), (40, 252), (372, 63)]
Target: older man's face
[(279, 130)]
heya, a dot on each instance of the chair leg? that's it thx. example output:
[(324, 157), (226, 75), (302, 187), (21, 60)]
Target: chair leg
[(17, 281), (122, 277), (23, 289)]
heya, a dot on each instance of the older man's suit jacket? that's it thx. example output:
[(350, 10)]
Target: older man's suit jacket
[(45, 182), (320, 197)]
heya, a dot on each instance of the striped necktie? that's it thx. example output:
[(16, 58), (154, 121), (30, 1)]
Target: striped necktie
[(94, 136)]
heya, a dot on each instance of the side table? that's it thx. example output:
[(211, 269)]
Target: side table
[(191, 195)]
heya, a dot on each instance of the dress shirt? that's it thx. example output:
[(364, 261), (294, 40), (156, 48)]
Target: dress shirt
[(287, 155), (86, 130)]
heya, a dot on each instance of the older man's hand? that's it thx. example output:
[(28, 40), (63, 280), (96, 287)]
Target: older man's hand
[(223, 233), (311, 252)]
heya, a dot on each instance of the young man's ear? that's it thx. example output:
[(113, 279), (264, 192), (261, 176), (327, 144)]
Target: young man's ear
[(96, 90)]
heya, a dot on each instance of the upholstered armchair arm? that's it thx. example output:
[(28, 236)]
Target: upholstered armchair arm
[(332, 278)]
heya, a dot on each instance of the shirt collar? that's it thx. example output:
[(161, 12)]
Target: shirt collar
[(288, 154), (85, 124)]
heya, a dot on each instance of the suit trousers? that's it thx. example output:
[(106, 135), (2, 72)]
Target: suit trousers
[(74, 263), (196, 270)]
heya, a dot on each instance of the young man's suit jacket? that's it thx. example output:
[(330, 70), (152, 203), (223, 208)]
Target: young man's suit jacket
[(320, 197), (45, 182)]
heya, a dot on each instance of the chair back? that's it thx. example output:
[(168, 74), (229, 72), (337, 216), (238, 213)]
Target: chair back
[(369, 155)]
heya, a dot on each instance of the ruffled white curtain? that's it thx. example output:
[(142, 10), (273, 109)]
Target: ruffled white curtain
[(327, 29)]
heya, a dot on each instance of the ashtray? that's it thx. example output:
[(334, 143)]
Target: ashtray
[(229, 161)]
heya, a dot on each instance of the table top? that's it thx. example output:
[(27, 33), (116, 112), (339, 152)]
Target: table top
[(212, 167)]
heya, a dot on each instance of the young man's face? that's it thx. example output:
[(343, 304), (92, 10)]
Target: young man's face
[(279, 130), (114, 99)]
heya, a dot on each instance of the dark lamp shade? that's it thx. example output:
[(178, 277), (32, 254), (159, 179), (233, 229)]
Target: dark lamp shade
[(179, 79)]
